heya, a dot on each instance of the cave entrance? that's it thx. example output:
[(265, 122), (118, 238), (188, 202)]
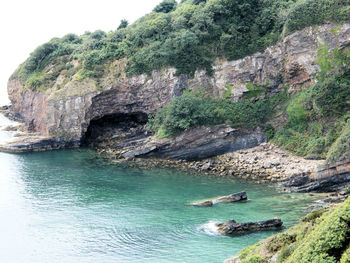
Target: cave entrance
[(117, 130)]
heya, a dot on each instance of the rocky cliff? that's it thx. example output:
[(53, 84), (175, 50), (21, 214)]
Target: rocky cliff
[(65, 111)]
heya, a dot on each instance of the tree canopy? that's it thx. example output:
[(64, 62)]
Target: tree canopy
[(188, 36)]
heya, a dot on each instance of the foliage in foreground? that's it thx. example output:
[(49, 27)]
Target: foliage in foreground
[(319, 237), (187, 36)]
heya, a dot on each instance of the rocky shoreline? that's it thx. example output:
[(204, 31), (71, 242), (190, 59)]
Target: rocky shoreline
[(217, 150), (265, 163)]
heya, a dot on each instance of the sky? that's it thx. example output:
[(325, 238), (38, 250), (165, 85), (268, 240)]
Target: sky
[(26, 24)]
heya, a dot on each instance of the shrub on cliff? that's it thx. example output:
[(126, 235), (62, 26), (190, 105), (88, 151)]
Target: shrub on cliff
[(187, 36), (317, 116), (194, 109), (123, 24), (166, 6), (313, 12)]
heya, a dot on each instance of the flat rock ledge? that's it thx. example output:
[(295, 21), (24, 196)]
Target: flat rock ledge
[(231, 227), (35, 143), (241, 196)]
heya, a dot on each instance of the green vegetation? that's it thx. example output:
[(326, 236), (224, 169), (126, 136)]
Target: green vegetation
[(317, 117), (187, 36), (194, 109), (310, 12), (166, 6), (123, 24), (319, 237)]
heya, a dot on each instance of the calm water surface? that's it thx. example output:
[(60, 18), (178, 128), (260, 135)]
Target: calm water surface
[(71, 206)]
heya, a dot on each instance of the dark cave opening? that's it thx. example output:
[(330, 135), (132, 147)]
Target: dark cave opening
[(116, 130)]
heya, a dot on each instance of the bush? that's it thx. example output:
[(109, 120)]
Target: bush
[(297, 115), (285, 253), (314, 12), (192, 110), (188, 36), (184, 112), (279, 241), (35, 81), (328, 240), (317, 117), (123, 24), (332, 94), (269, 131), (311, 217), (165, 7), (346, 256), (341, 146)]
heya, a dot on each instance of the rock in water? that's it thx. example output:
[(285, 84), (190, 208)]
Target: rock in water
[(241, 196), (203, 203), (232, 227)]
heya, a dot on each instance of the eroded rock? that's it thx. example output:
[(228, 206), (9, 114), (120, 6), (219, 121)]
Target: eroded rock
[(232, 227), (241, 196)]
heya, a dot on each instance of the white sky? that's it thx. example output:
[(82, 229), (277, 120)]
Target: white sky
[(26, 24)]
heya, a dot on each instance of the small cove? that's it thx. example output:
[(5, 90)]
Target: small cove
[(72, 206)]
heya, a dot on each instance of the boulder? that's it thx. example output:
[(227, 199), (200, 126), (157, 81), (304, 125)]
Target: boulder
[(241, 196), (203, 203), (232, 227)]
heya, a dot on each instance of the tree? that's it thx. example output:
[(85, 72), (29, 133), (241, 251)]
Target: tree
[(123, 24), (166, 6), (197, 2)]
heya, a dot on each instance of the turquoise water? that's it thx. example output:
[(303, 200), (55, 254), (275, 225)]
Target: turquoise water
[(71, 206)]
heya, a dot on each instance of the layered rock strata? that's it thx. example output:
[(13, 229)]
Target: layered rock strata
[(194, 144), (333, 176), (67, 112), (69, 115)]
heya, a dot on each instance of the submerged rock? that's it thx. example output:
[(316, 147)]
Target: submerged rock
[(241, 196), (203, 203), (232, 227)]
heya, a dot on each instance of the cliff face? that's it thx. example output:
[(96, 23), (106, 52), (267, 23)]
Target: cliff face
[(67, 113)]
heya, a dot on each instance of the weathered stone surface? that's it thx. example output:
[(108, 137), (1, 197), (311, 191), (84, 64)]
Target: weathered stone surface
[(8, 112), (203, 203), (35, 143), (67, 113), (336, 199), (202, 142), (129, 139), (241, 196), (330, 177), (232, 227)]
